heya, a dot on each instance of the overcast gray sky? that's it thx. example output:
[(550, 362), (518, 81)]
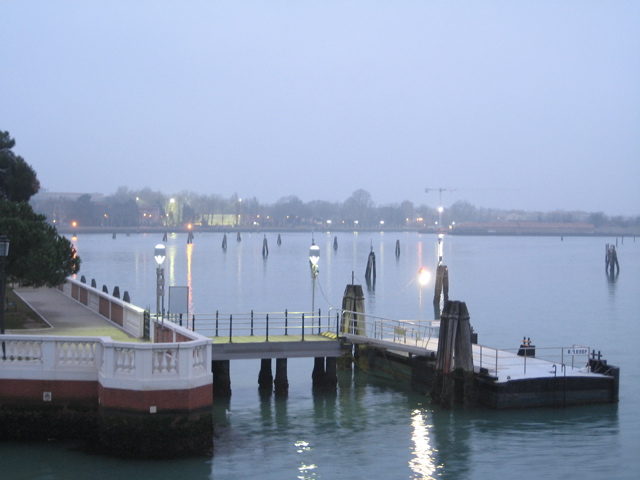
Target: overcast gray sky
[(529, 105)]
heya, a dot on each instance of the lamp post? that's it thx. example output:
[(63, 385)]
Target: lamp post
[(159, 255), (4, 252), (314, 256)]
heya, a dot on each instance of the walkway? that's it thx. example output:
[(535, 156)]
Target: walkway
[(66, 317)]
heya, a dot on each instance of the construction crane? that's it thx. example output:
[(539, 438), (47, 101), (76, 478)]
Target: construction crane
[(440, 190)]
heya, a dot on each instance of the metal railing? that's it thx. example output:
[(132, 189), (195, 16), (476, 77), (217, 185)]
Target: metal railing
[(408, 332), (519, 360), (262, 324)]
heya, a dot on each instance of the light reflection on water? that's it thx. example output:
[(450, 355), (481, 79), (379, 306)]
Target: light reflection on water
[(554, 291)]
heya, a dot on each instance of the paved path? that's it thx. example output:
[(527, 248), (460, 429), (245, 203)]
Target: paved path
[(66, 316)]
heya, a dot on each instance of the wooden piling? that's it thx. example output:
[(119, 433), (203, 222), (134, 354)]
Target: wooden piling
[(224, 242), (454, 360), (397, 248), (442, 284), (265, 247), (282, 381), (221, 378), (317, 375), (335, 243), (265, 377), (353, 320)]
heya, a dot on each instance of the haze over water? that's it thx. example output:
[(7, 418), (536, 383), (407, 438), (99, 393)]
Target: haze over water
[(554, 291)]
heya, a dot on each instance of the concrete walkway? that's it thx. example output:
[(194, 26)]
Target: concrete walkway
[(66, 316)]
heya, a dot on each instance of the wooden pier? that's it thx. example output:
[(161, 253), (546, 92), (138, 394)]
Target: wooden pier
[(128, 387)]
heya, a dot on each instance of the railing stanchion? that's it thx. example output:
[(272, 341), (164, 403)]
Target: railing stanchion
[(231, 328), (252, 323), (267, 335), (303, 327), (216, 323), (286, 322), (319, 321)]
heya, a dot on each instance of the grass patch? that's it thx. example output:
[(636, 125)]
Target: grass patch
[(18, 315)]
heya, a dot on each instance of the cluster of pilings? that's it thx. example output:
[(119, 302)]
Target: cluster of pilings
[(454, 376), (324, 376)]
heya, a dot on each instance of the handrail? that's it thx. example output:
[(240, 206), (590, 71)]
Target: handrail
[(518, 360)]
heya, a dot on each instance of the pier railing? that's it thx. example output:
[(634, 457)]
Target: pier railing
[(527, 360), (408, 332), (260, 324)]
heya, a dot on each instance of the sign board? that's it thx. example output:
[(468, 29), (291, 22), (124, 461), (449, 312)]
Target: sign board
[(179, 300), (577, 351)]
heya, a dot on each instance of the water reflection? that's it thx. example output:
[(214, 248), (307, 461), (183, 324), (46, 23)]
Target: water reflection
[(423, 462)]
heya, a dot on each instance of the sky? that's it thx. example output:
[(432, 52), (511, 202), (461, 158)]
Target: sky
[(526, 105)]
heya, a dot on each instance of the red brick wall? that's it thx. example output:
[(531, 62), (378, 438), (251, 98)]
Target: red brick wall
[(84, 296), (163, 400), (30, 392), (78, 393), (103, 307), (117, 314)]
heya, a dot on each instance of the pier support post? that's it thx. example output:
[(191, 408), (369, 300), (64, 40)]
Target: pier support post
[(265, 377), (221, 378), (331, 373), (282, 382), (318, 371)]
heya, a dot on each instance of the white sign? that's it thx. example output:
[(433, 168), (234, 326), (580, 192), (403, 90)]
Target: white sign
[(577, 351)]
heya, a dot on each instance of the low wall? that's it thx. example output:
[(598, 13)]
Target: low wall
[(108, 392), (123, 314)]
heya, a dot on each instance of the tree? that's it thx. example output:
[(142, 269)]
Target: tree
[(38, 255), (18, 181)]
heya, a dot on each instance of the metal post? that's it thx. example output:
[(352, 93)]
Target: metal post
[(2, 295)]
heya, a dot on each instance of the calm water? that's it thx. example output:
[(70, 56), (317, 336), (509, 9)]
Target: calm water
[(552, 290)]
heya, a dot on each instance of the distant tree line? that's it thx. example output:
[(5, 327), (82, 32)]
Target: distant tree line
[(146, 207)]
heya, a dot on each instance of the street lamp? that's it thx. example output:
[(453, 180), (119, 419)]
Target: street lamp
[(159, 255), (423, 278), (4, 252), (314, 256)]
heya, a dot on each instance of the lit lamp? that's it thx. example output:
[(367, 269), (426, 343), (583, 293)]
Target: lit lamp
[(159, 255), (314, 256), (423, 278), (4, 252)]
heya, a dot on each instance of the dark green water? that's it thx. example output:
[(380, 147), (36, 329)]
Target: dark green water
[(554, 291)]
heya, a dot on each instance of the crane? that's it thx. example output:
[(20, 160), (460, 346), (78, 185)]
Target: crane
[(440, 190)]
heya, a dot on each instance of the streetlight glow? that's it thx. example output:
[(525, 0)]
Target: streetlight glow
[(159, 254)]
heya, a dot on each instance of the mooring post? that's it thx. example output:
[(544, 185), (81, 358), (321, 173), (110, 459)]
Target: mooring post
[(265, 377), (318, 371), (282, 381), (221, 378), (353, 310), (331, 373)]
